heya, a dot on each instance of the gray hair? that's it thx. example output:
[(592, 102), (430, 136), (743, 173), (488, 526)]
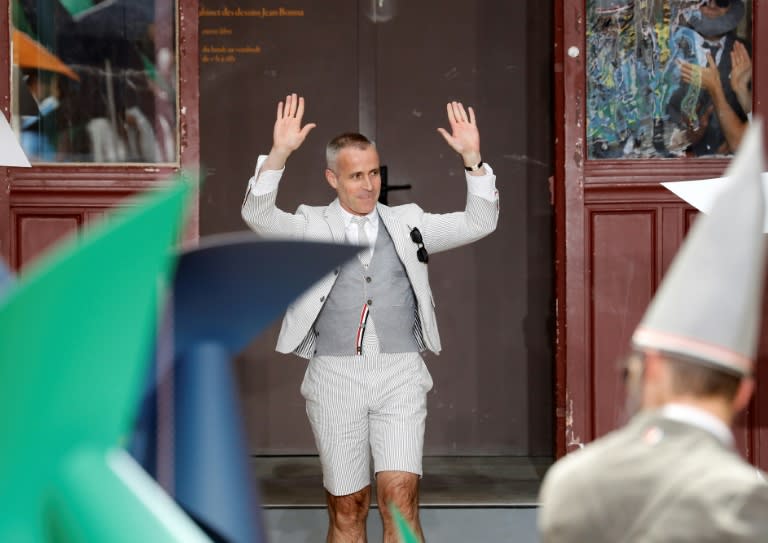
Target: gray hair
[(342, 141)]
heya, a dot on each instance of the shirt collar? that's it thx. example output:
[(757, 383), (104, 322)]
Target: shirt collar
[(694, 416), (373, 217), (720, 43)]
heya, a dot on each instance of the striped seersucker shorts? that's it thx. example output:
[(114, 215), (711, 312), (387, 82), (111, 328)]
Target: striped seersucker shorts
[(363, 406)]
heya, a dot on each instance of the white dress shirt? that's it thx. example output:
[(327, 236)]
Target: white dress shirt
[(694, 416), (371, 228)]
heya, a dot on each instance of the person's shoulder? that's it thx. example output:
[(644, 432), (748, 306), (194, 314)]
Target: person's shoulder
[(732, 38), (405, 211), (735, 493), (307, 210), (582, 460), (403, 208), (733, 480), (565, 485), (595, 453), (734, 473)]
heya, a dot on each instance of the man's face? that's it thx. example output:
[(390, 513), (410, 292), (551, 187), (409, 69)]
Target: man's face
[(711, 10), (357, 179)]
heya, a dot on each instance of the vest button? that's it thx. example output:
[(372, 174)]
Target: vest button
[(322, 298), (336, 271), (370, 302), (367, 279)]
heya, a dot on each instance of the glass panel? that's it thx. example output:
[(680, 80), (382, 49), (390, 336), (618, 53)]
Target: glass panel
[(651, 92), (95, 80)]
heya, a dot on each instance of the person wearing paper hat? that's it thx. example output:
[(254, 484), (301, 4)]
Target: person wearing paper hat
[(672, 473)]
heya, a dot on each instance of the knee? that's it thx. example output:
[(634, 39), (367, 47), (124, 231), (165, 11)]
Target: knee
[(402, 493), (348, 512), (346, 518)]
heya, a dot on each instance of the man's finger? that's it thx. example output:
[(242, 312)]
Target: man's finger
[(446, 135), (471, 115), (461, 113), (710, 60), (306, 129), (300, 109), (451, 116), (279, 110)]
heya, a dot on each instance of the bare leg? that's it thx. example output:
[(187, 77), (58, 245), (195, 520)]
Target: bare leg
[(347, 516), (400, 489)]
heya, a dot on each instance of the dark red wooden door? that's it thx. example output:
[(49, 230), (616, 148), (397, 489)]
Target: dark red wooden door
[(617, 231)]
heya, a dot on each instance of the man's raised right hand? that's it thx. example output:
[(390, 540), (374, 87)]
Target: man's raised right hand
[(288, 134)]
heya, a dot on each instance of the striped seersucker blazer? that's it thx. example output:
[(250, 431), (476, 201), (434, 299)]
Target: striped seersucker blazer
[(440, 232)]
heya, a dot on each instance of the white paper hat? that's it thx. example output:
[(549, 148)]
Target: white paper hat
[(11, 153), (708, 307)]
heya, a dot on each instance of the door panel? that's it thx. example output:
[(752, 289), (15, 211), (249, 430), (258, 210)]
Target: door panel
[(37, 231), (623, 255)]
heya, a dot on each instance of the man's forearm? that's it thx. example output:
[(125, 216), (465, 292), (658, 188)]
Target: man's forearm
[(259, 210), (731, 124), (744, 96), (276, 159)]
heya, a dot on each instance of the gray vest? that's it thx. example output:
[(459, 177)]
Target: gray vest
[(385, 287)]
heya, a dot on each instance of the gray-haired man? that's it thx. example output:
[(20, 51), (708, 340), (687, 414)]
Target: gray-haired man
[(364, 325)]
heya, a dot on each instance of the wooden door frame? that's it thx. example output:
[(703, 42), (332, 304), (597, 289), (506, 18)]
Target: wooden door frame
[(576, 181), (101, 185)]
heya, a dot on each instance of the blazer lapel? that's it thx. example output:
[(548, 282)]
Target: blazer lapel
[(335, 221), (399, 234)]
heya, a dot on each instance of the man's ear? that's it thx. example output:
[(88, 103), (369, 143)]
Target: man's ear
[(654, 366), (743, 394), (331, 178), (655, 379)]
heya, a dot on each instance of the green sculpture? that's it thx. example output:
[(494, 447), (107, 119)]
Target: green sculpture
[(76, 332), (404, 530)]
